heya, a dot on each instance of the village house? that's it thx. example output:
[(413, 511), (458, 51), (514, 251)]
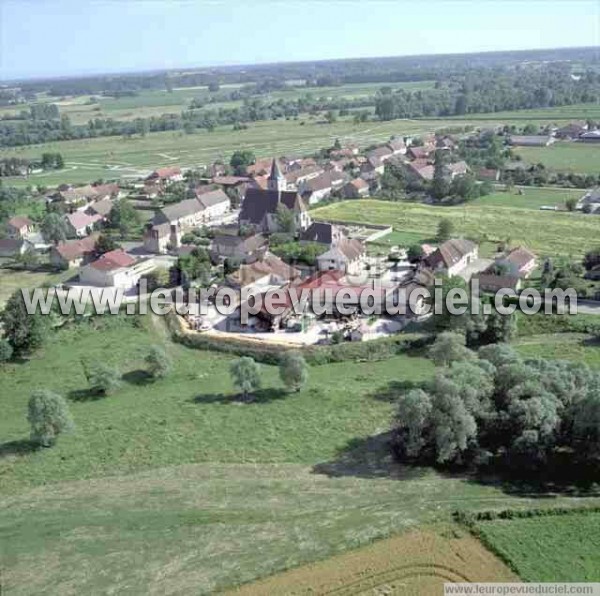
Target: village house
[(419, 169), (487, 174), (397, 146), (531, 140), (459, 168), (168, 174), (14, 247), (347, 151), (80, 224), (72, 253), (590, 201), (355, 189), (110, 191), (519, 261), (260, 207), (186, 214), (452, 257), (234, 186), (294, 164), (73, 196), (346, 255), (115, 269), (101, 208), (244, 249), (261, 167), (592, 136), (215, 203), (323, 233), (571, 131), (319, 188), (19, 226), (296, 178), (159, 238), (421, 152), (262, 274)]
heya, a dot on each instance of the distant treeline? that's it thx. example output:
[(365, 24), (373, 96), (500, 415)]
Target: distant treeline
[(377, 70), (495, 90)]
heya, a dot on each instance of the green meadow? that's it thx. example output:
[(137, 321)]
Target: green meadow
[(546, 232), (176, 486)]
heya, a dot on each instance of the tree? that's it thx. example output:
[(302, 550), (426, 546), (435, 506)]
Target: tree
[(123, 217), (592, 259), (449, 347), (159, 362), (29, 259), (571, 204), (105, 243), (48, 415), (331, 116), (24, 332), (54, 228), (245, 374), (102, 378), (242, 159), (445, 230), (6, 350), (286, 221), (415, 253), (413, 416), (440, 187), (293, 370)]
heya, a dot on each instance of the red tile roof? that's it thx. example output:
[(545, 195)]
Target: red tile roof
[(115, 259), (19, 221), (75, 249), (80, 220)]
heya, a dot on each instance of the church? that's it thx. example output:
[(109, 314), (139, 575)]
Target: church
[(259, 206)]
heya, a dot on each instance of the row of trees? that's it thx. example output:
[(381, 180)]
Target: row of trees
[(49, 416), (246, 373), (492, 90)]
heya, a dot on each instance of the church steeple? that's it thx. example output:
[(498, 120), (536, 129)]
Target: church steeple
[(276, 180)]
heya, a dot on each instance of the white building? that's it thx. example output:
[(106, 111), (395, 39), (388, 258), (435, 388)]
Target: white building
[(115, 269)]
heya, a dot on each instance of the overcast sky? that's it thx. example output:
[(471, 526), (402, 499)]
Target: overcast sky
[(67, 37)]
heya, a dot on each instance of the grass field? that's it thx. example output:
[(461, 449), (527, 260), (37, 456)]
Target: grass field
[(192, 416), (81, 109), (198, 528), (582, 158), (418, 562), (531, 198), (563, 346), (116, 157), (11, 280), (583, 111), (557, 548), (176, 486), (545, 232)]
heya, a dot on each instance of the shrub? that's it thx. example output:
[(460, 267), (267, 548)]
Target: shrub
[(159, 362), (48, 414), (103, 379), (245, 373), (293, 370)]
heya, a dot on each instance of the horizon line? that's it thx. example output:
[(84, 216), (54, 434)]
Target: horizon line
[(230, 65)]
